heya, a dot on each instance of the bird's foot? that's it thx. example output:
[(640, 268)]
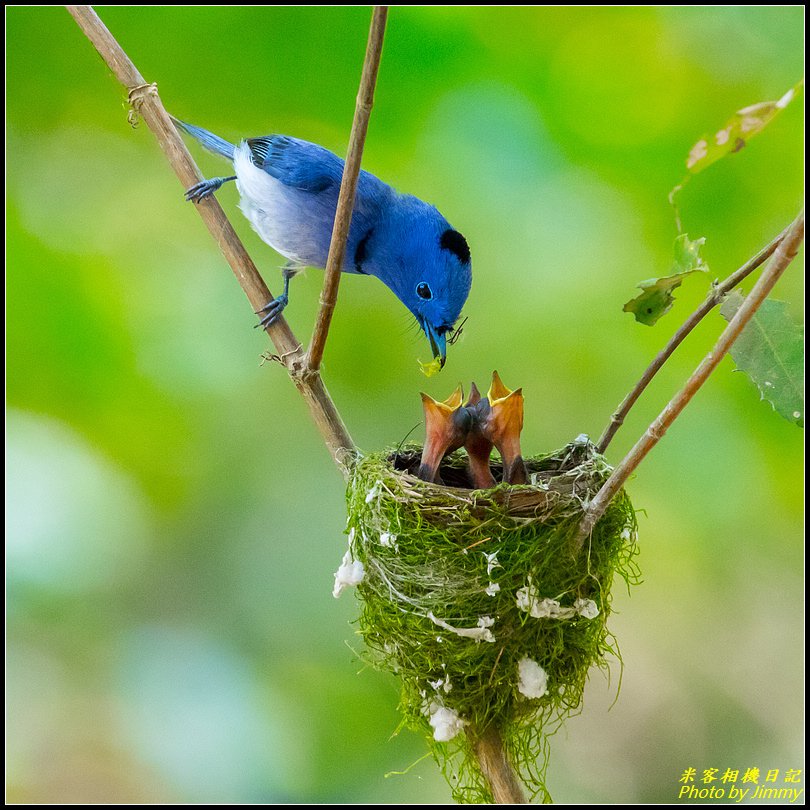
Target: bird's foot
[(205, 188), (272, 311)]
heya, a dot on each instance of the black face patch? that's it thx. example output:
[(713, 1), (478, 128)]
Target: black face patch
[(454, 242), (361, 252)]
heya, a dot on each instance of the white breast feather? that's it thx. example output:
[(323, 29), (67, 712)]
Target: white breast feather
[(270, 206)]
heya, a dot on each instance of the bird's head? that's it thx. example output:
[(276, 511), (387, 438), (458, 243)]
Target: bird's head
[(442, 281), (427, 265)]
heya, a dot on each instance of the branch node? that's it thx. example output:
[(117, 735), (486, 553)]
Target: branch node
[(300, 371), (135, 98), (656, 430)]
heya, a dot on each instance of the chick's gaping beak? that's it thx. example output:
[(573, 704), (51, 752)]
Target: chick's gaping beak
[(438, 343)]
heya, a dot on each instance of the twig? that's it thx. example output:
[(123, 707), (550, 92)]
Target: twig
[(348, 187), (782, 257), (718, 292), (302, 369), (488, 748), (146, 101)]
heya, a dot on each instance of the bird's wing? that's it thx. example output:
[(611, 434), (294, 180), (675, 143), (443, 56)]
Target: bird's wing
[(297, 163)]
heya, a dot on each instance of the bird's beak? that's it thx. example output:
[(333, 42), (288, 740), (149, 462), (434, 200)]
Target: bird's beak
[(438, 343), (446, 424), (503, 426)]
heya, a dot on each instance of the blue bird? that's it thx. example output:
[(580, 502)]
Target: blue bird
[(289, 191)]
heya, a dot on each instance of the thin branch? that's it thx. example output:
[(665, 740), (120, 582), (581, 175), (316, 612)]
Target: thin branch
[(715, 296), (782, 257), (489, 751), (348, 187), (304, 372), (145, 100)]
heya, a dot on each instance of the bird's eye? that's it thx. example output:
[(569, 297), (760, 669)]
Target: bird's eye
[(423, 291)]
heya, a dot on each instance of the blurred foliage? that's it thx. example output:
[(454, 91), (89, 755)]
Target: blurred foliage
[(173, 518)]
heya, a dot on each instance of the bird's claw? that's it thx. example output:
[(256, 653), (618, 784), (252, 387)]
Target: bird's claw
[(272, 310), (205, 188)]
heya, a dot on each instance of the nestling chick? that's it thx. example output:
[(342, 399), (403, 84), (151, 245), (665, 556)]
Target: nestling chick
[(477, 445), (500, 416), (481, 423), (446, 425)]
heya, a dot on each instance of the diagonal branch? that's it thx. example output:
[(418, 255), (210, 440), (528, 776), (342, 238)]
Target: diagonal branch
[(302, 369), (348, 187), (782, 257), (145, 100), (715, 296)]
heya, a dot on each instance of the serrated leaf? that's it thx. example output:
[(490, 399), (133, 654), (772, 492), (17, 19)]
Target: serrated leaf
[(770, 350), (738, 130), (657, 298)]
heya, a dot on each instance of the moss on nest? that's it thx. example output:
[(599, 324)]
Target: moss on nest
[(462, 585)]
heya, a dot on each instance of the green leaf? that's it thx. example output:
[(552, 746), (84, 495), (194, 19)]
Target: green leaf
[(657, 299), (770, 350), (738, 130), (430, 368)]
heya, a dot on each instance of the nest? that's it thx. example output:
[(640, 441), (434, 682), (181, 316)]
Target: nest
[(476, 600)]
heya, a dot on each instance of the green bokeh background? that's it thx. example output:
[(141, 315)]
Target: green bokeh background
[(173, 517)]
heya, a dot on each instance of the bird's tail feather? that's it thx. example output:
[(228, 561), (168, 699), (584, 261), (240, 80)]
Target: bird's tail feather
[(213, 143)]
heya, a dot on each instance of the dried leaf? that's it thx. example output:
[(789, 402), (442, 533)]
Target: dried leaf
[(738, 130), (657, 299), (770, 350)]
